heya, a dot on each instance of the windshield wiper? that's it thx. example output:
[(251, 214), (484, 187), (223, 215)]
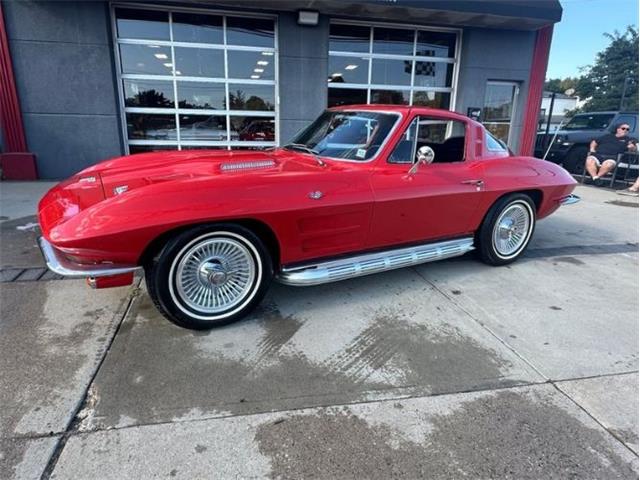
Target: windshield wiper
[(304, 148)]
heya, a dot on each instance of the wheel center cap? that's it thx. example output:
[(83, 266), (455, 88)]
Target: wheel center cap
[(212, 273)]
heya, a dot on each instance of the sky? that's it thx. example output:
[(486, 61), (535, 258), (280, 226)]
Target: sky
[(579, 35)]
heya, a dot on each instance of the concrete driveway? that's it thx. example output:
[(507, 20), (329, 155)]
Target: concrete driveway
[(448, 370)]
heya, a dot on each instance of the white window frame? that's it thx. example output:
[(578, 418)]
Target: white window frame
[(514, 101), (225, 47), (371, 55)]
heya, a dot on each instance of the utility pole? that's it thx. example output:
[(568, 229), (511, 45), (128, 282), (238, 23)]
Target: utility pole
[(546, 132)]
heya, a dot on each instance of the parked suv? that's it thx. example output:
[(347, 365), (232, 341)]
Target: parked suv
[(571, 145)]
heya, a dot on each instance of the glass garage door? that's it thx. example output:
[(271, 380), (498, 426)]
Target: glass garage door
[(196, 79), (379, 64)]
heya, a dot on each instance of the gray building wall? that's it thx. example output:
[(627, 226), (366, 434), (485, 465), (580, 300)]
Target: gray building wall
[(302, 72), (488, 54), (63, 66)]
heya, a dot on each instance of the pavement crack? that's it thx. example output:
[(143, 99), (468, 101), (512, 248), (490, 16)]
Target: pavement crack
[(607, 429), (73, 424)]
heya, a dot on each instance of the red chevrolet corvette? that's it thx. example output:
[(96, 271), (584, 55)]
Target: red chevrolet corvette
[(362, 190)]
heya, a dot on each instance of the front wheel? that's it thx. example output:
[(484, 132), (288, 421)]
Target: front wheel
[(209, 276), (506, 229)]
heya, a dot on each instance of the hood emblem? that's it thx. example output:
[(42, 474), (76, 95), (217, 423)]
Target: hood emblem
[(121, 189), (316, 195)]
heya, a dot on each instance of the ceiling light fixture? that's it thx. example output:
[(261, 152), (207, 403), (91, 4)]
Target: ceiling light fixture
[(267, 54), (168, 65), (263, 62), (258, 70), (351, 67), (178, 72), (160, 56), (255, 77)]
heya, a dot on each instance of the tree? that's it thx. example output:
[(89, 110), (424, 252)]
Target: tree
[(558, 85), (604, 81)]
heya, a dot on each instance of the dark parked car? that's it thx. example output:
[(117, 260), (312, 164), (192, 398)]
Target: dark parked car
[(571, 145)]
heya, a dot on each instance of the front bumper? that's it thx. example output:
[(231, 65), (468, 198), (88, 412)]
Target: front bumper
[(58, 263)]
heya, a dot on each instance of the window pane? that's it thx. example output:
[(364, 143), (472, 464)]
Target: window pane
[(203, 127), (191, 27), (146, 126), (251, 97), (346, 96), (199, 62), (201, 95), (393, 40), (403, 151), (250, 65), (148, 93), (433, 74), (146, 24), (349, 38), (498, 102), (148, 59), (150, 148), (395, 97), (202, 147), (436, 44), (253, 129), (498, 130), (348, 70), (253, 32), (391, 72), (432, 99)]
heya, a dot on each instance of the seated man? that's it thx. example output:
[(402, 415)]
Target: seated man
[(604, 151)]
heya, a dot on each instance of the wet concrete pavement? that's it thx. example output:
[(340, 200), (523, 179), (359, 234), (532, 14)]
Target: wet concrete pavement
[(447, 370)]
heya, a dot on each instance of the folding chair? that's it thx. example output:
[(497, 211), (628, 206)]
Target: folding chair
[(628, 161)]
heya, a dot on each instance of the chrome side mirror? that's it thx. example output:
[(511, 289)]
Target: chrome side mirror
[(425, 155)]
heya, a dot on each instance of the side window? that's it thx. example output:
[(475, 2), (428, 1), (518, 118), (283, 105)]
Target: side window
[(406, 147), (493, 144), (445, 137)]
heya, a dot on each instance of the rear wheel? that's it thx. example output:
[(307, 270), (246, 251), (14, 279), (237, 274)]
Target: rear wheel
[(506, 229), (209, 276)]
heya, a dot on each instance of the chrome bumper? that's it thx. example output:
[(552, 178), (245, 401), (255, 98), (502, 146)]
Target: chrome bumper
[(569, 199), (58, 263)]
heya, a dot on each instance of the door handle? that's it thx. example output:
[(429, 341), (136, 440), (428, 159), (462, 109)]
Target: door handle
[(477, 183)]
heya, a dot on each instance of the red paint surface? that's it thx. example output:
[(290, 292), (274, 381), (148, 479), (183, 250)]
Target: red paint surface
[(536, 87), (365, 205), (18, 166), (14, 166)]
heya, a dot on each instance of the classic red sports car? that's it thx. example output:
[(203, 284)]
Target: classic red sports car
[(363, 189)]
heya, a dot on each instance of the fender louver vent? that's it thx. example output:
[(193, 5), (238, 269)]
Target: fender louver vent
[(233, 167)]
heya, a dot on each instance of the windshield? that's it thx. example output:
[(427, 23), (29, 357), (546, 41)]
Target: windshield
[(589, 122), (347, 135)]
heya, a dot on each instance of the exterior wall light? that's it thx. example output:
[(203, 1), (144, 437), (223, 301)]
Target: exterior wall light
[(308, 17)]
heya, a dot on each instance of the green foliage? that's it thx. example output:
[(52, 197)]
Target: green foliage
[(558, 85), (604, 80)]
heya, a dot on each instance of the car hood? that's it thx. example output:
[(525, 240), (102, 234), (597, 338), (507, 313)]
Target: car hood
[(123, 174)]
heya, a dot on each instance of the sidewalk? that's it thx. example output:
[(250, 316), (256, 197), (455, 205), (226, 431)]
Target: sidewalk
[(448, 370)]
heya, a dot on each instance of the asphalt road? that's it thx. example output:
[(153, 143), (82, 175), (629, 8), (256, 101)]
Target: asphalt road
[(448, 370)]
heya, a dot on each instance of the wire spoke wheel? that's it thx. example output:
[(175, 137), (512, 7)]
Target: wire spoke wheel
[(512, 229), (214, 275)]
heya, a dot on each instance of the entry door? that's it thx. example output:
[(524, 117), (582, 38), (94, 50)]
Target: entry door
[(440, 200), (498, 112)]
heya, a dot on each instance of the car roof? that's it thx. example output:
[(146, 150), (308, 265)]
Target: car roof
[(404, 109)]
